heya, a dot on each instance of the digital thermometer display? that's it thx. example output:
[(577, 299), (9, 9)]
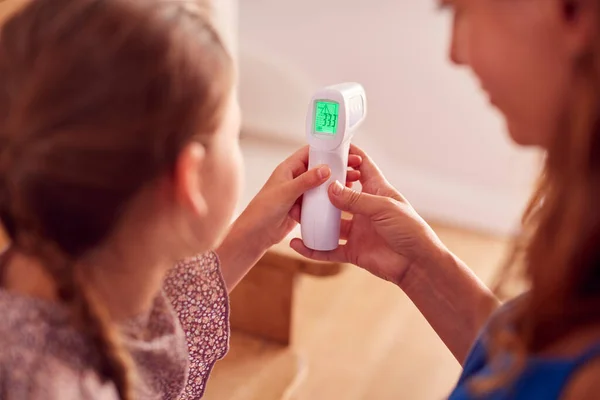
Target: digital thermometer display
[(326, 117)]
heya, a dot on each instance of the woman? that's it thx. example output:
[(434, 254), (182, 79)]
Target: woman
[(539, 62)]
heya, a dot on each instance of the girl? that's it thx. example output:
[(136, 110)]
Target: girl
[(539, 61), (118, 156)]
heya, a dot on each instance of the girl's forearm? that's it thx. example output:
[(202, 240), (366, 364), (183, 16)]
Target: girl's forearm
[(452, 299), (239, 252)]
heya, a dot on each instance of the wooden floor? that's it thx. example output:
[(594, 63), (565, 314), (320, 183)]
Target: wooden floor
[(362, 339)]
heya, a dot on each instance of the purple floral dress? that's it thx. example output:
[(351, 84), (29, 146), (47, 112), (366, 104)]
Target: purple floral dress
[(174, 347)]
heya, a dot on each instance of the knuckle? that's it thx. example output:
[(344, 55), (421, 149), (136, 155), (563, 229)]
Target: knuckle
[(354, 197), (386, 206), (310, 179), (306, 181), (389, 202)]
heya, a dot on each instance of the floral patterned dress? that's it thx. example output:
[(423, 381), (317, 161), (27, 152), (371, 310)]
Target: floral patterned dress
[(174, 346)]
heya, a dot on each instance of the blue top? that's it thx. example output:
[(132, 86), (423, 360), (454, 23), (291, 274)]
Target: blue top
[(542, 378)]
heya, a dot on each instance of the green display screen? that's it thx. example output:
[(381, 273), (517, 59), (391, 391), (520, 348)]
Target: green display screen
[(326, 117)]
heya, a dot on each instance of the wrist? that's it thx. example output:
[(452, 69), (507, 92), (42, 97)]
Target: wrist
[(452, 299), (238, 253), (433, 256), (244, 240)]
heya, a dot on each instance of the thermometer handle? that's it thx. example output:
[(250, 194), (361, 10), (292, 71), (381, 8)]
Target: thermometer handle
[(320, 220)]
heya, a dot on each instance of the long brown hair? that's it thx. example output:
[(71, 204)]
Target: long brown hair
[(97, 99), (558, 252)]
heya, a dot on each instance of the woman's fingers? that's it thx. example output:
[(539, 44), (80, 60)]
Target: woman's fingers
[(345, 228), (371, 176), (368, 168), (345, 225), (295, 212), (354, 160), (352, 175), (337, 255)]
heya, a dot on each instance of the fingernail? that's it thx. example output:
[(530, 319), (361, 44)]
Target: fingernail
[(323, 172), (337, 188)]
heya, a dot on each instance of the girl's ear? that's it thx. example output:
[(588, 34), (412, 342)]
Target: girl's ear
[(188, 181)]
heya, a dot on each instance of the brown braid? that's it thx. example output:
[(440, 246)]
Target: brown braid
[(116, 362), (97, 99), (89, 315)]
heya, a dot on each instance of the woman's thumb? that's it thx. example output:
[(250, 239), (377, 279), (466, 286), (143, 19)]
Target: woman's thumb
[(355, 202)]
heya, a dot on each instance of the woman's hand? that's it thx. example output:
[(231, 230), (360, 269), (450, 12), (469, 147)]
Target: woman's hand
[(273, 213), (385, 235), (388, 238)]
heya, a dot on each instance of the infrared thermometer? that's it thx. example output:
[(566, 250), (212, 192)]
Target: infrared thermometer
[(334, 114)]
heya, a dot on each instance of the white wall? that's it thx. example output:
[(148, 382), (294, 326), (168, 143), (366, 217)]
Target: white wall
[(429, 127)]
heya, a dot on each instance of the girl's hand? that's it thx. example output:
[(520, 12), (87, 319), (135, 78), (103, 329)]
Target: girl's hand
[(272, 214), (275, 210), (385, 235)]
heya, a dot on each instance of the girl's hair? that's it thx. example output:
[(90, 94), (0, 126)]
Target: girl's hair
[(559, 251), (97, 99)]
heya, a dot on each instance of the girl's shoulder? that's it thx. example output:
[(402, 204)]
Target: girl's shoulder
[(41, 357)]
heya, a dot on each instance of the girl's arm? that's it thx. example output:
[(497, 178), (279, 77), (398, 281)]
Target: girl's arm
[(239, 252), (272, 214)]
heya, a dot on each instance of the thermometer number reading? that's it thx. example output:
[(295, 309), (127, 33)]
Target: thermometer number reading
[(326, 117)]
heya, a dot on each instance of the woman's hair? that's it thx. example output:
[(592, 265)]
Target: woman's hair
[(97, 99), (559, 251)]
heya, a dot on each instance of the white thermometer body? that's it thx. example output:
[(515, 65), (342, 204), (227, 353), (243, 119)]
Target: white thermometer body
[(334, 114)]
